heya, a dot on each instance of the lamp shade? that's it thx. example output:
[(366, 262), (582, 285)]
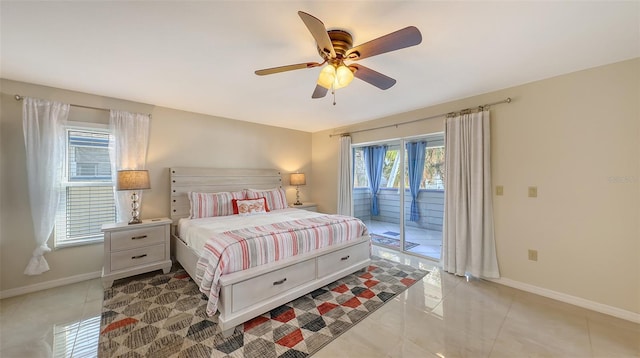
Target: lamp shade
[(335, 76), (298, 179), (327, 76), (133, 180), (344, 76)]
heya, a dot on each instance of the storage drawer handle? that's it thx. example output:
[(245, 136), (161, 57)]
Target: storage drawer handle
[(344, 258), (138, 257), (280, 282), (139, 237)]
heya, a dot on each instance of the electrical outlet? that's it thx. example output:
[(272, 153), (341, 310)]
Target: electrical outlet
[(533, 191), (499, 190), (533, 255)]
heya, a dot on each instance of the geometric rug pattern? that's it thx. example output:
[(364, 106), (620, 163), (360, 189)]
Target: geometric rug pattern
[(393, 242), (163, 315)]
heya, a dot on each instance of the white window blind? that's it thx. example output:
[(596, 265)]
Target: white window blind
[(87, 199)]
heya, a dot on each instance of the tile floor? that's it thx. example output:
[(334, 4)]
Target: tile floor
[(440, 316)]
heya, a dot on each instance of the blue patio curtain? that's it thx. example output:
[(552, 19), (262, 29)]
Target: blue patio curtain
[(374, 161), (415, 159)]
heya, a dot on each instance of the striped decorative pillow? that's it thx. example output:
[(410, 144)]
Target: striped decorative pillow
[(276, 198), (204, 205)]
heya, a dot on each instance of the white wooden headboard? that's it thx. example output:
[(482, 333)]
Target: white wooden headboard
[(211, 180)]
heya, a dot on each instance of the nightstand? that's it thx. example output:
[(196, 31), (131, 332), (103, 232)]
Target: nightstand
[(134, 249), (306, 206)]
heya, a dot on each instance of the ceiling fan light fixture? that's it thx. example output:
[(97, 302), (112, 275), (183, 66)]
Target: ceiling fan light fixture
[(332, 77), (344, 76), (327, 76), (336, 46)]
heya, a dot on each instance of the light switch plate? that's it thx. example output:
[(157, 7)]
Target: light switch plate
[(499, 190), (533, 191)]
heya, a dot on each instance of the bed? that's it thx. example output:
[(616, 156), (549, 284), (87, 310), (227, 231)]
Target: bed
[(336, 245)]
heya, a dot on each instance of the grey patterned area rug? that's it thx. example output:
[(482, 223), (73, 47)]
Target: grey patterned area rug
[(163, 315)]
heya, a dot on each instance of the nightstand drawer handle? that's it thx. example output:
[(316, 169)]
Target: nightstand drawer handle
[(280, 282), (138, 257), (139, 237), (344, 258)]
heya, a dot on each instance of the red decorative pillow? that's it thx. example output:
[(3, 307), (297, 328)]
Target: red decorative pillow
[(249, 206)]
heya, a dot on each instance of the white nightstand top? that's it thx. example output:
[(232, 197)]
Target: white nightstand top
[(304, 205), (144, 223)]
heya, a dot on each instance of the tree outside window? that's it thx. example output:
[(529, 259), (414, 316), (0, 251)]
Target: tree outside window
[(432, 178)]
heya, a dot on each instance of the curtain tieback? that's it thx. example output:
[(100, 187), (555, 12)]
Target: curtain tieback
[(41, 250)]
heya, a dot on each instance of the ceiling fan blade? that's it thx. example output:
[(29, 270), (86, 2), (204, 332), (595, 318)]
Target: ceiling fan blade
[(409, 36), (299, 66), (372, 77), (319, 92), (319, 32)]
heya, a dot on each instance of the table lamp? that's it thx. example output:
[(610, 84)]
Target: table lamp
[(297, 179), (133, 180)]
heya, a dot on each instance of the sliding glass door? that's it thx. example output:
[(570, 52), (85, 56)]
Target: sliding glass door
[(399, 193)]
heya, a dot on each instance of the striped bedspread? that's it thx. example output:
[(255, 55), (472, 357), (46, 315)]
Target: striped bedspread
[(241, 249)]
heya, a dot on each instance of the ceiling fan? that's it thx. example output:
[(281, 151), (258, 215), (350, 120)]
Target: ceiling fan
[(336, 47)]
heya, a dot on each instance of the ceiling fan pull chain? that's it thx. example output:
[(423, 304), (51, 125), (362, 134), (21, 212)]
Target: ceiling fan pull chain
[(333, 92)]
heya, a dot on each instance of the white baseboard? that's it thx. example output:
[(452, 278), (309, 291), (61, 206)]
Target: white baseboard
[(49, 284), (576, 301)]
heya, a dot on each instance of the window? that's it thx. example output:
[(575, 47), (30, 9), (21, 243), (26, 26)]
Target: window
[(390, 168), (86, 199), (360, 179), (432, 177)]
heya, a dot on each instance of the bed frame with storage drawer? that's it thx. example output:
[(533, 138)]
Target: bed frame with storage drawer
[(250, 293)]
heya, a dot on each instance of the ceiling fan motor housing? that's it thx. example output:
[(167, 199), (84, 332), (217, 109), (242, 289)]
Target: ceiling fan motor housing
[(342, 42)]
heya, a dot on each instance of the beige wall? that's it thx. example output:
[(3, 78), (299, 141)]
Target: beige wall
[(576, 137), (177, 138)]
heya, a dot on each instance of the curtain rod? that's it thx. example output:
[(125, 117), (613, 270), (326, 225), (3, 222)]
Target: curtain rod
[(507, 100), (20, 98)]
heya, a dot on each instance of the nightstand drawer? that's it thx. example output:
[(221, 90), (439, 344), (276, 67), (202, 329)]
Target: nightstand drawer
[(136, 257), (129, 239)]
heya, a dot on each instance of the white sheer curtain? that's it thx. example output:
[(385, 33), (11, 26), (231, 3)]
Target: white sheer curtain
[(127, 150), (468, 242), (43, 126), (344, 177)]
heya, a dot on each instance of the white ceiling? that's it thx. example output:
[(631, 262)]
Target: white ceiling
[(200, 56)]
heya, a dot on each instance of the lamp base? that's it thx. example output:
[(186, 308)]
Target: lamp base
[(297, 196), (135, 221), (135, 213)]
